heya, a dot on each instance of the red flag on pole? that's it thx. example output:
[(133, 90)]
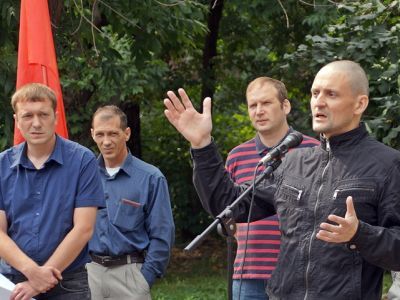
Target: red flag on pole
[(37, 58)]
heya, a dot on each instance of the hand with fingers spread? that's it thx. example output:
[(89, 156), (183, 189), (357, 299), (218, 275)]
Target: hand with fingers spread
[(345, 229), (23, 291), (194, 126)]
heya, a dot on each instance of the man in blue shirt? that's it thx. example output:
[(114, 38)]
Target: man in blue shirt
[(134, 234), (49, 193)]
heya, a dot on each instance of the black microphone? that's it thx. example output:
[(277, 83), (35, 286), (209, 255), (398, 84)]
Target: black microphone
[(293, 139)]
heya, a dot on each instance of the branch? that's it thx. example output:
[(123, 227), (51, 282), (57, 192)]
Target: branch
[(284, 11), (169, 4)]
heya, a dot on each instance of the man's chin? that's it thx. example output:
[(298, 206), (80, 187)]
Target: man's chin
[(108, 155), (318, 128)]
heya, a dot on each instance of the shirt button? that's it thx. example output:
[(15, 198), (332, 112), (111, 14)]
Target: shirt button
[(353, 247), (37, 214), (37, 193)]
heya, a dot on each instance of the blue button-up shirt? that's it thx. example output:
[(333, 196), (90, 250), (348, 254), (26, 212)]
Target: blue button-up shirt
[(138, 216), (39, 203)]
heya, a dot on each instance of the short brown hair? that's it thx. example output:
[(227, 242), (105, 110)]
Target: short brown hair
[(34, 92), (111, 111), (278, 85)]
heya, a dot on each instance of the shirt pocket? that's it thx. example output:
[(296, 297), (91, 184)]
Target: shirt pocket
[(364, 200), (129, 215)]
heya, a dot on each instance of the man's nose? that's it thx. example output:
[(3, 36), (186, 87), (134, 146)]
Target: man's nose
[(106, 140), (36, 121), (259, 109), (319, 100)]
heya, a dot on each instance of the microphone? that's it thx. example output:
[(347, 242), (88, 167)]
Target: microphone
[(293, 139)]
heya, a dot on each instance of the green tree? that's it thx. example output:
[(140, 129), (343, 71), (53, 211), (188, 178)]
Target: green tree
[(367, 32)]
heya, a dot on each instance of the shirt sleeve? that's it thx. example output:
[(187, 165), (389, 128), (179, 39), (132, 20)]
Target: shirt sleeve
[(161, 230), (1, 198), (90, 189)]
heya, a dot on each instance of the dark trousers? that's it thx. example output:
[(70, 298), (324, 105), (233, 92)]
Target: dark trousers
[(73, 286)]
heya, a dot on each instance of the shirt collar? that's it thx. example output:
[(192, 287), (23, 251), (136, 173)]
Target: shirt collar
[(262, 149), (21, 158), (125, 167)]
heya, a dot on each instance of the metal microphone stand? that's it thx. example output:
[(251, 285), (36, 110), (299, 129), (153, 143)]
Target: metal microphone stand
[(226, 224)]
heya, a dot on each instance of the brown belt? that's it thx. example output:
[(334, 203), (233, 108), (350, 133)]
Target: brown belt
[(112, 261)]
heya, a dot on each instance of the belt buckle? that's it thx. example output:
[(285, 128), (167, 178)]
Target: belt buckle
[(105, 260)]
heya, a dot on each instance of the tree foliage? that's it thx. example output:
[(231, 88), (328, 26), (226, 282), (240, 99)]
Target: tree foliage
[(367, 32), (130, 53)]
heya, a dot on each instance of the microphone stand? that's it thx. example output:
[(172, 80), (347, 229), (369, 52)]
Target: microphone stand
[(226, 224)]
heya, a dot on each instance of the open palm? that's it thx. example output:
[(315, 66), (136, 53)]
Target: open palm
[(194, 126)]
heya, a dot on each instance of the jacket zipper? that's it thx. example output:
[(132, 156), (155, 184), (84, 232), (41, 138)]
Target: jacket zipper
[(328, 148), (352, 189), (299, 192)]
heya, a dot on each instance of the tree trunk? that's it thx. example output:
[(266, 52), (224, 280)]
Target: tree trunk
[(132, 111), (210, 48)]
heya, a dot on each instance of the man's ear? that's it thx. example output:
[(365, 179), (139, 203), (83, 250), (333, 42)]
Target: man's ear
[(287, 107), (361, 104), (16, 120), (127, 133), (92, 133)]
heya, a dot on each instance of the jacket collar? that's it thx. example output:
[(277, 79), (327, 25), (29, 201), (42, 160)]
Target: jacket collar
[(346, 139)]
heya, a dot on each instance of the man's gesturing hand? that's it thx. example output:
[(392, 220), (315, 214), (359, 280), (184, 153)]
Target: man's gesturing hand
[(345, 229), (194, 126)]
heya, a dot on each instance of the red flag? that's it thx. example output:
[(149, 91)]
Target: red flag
[(37, 58)]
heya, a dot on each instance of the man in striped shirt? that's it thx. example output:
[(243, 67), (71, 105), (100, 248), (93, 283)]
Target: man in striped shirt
[(268, 108)]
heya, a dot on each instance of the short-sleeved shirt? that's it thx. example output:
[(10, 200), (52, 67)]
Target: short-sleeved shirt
[(39, 203)]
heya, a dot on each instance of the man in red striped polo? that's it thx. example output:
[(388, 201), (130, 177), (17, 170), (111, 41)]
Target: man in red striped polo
[(268, 108)]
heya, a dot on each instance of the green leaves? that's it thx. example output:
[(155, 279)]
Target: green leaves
[(366, 32)]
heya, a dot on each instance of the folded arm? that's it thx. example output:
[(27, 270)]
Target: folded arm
[(41, 278)]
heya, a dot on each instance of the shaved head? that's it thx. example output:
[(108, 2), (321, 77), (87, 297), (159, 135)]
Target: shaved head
[(355, 75)]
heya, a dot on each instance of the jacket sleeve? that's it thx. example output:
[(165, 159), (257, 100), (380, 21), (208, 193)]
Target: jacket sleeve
[(216, 189), (380, 245)]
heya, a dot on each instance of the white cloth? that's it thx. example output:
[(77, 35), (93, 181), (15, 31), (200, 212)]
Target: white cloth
[(394, 291), (6, 287)]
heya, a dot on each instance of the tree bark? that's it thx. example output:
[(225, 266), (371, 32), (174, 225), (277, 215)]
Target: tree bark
[(132, 111), (210, 48)]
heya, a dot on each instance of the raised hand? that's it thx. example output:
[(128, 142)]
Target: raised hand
[(346, 228), (194, 126)]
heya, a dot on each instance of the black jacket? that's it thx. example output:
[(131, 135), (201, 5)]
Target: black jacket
[(310, 184)]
